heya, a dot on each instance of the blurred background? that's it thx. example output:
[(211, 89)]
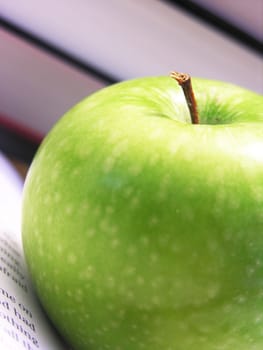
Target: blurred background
[(56, 52)]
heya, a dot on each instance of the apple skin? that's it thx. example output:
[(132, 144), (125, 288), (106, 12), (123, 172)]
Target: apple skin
[(143, 231)]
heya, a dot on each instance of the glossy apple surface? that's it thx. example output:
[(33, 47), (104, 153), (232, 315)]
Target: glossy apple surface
[(144, 231)]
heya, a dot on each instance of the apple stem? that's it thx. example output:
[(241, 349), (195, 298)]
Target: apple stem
[(184, 80)]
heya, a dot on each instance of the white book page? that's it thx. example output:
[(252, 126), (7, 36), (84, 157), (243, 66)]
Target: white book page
[(23, 325)]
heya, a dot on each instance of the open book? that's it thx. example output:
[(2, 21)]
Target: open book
[(23, 324)]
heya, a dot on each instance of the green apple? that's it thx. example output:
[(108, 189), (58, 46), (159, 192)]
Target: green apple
[(143, 231)]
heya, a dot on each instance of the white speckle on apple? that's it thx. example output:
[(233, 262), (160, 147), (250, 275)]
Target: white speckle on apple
[(189, 214), (55, 173), (115, 243), (258, 193), (109, 209), (145, 240), (253, 151), (174, 146), (57, 197), (213, 291), (34, 221), (154, 258), (157, 321), (91, 340), (134, 202), (162, 194), (85, 205), (99, 332), (69, 293), (83, 152), (127, 192), (132, 250), (97, 212), (153, 221), (105, 329), (227, 308), (154, 159), (114, 324), (78, 295), (250, 271), (156, 134), (234, 203), (258, 319), (113, 229), (174, 248), (176, 284), (135, 170), (49, 219), (120, 313), (36, 231), (130, 295), (87, 316), (71, 259), (87, 285), (69, 210), (59, 248), (56, 289), (75, 172), (228, 235), (114, 136), (163, 240), (108, 164), (122, 289), (98, 293), (140, 280), (241, 299), (218, 211), (41, 251), (132, 339), (104, 224), (110, 307), (146, 317), (91, 232), (87, 273), (130, 270), (156, 300), (119, 148), (46, 200), (258, 262), (213, 246), (48, 287), (111, 282), (156, 282)]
